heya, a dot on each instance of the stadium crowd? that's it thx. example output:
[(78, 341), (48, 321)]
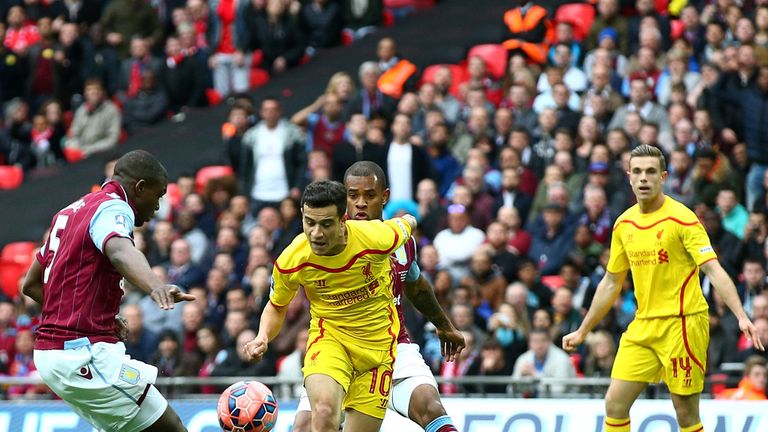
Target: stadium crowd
[(516, 175)]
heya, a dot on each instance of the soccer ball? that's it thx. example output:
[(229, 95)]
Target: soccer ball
[(247, 406)]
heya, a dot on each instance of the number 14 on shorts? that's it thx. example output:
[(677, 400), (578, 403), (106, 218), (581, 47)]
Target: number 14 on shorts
[(682, 364)]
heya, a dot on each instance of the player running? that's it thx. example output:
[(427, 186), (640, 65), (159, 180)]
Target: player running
[(414, 394), (76, 278), (664, 245), (344, 267)]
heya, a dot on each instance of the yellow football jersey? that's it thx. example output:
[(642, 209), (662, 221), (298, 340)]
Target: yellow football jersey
[(664, 250), (350, 294)]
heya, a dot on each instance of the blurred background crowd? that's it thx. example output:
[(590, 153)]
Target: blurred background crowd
[(513, 160)]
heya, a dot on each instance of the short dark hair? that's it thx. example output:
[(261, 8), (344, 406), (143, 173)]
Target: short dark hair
[(140, 165), (324, 193), (645, 150), (540, 331), (367, 169)]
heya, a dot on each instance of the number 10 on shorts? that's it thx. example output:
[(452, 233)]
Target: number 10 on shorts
[(383, 383)]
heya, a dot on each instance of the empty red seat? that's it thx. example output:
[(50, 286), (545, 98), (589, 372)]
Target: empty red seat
[(15, 259), (174, 195), (258, 77), (495, 57), (205, 174), (677, 28), (72, 154), (579, 15), (10, 177)]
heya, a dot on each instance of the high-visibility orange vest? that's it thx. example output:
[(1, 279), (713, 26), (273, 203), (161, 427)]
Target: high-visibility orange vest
[(517, 23), (392, 81)]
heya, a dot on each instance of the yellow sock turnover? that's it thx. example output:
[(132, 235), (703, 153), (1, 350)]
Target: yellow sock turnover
[(616, 425)]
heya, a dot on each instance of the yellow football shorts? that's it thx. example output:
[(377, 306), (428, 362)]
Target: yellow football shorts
[(671, 349), (365, 374)]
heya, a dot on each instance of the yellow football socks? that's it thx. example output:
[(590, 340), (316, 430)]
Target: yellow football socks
[(695, 428), (617, 425)]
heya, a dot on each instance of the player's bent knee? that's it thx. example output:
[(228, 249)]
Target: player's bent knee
[(425, 405), (302, 422), (325, 414)]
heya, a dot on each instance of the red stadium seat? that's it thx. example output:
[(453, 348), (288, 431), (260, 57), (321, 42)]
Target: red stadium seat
[(459, 73), (677, 28), (174, 195), (205, 174), (662, 7), (14, 262), (213, 97), (553, 282), (388, 18), (579, 15), (73, 155), (10, 177), (258, 77), (495, 57)]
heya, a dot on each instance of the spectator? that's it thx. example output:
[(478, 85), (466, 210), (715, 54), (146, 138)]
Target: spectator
[(23, 366), (732, 213), (722, 344), (640, 102), (289, 366), (227, 40), (596, 215), (321, 22), (608, 17), (407, 164), (192, 322), (565, 312), (180, 78), (456, 244), (355, 147), (445, 164), (322, 121), (235, 363), (679, 183), (543, 359), (711, 173), (519, 239), (524, 30), (13, 71), (273, 159), (752, 384), (676, 73), (461, 366), (602, 353), (491, 362), (7, 333), (730, 250), (170, 360), (141, 342), (551, 244), (181, 270), (124, 19), (361, 18), (101, 61), (96, 124), (278, 37), (148, 106), (20, 35), (369, 100), (753, 283), (212, 355), (431, 213)]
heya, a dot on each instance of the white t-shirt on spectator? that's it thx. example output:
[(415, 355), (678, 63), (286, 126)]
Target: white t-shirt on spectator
[(399, 161), (271, 180)]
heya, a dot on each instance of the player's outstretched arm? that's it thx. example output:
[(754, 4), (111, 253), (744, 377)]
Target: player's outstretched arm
[(32, 286), (607, 291), (269, 327), (133, 266), (727, 291), (422, 296), (411, 221)]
